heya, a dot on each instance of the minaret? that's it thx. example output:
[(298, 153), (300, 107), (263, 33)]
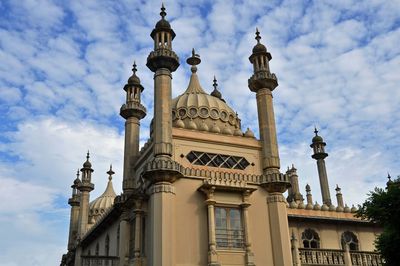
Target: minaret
[(339, 198), (263, 82), (318, 146), (132, 110), (74, 216), (294, 191), (85, 186), (161, 171)]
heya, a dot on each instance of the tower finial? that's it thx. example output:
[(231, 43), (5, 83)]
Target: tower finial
[(110, 173), (215, 84), (315, 131), (134, 69), (216, 92), (193, 61), (258, 37), (77, 174), (87, 155), (162, 13)]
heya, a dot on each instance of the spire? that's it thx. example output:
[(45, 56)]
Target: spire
[(162, 13), (110, 173), (258, 37), (216, 92), (87, 164), (194, 83)]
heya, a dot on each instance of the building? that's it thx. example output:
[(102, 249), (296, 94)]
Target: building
[(203, 192)]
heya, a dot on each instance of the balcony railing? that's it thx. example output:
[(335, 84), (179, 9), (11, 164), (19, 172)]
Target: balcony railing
[(336, 257), (230, 238), (100, 261), (365, 258), (321, 256)]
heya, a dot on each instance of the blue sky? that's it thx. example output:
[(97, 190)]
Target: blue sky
[(64, 64)]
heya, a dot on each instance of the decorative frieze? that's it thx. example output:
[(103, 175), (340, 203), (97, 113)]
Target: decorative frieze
[(163, 187)]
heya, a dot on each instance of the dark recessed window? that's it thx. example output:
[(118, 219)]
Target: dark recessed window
[(217, 160)]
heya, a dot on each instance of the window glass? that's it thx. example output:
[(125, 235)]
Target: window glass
[(229, 231)]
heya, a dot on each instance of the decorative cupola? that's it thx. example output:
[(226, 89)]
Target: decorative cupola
[(339, 198), (216, 92), (85, 186), (132, 111), (309, 205), (74, 202), (318, 146), (163, 56), (294, 191), (105, 200), (197, 110)]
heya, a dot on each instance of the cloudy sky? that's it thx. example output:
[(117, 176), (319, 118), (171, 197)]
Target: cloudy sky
[(63, 65)]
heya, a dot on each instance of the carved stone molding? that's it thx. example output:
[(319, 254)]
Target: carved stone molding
[(163, 187), (275, 197)]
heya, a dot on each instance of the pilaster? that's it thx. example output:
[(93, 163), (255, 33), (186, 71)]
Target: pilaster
[(124, 235)]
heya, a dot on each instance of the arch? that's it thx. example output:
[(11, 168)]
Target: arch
[(310, 238), (350, 239)]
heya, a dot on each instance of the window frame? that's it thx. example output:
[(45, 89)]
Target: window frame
[(230, 242), (314, 239)]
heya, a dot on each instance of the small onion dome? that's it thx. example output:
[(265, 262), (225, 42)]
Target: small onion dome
[(237, 132), (308, 188), (293, 205), (215, 128), (227, 130), (134, 80), (87, 164), (301, 205), (216, 92), (347, 209), (77, 180), (317, 138), (249, 133), (309, 206), (192, 125), (324, 207), (339, 209), (317, 207), (106, 200), (162, 24), (353, 208), (260, 48), (332, 208)]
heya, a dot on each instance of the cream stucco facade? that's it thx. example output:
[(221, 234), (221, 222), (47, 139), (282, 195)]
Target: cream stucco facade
[(203, 192)]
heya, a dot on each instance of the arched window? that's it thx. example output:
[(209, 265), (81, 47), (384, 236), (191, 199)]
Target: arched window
[(310, 239), (107, 245), (350, 239)]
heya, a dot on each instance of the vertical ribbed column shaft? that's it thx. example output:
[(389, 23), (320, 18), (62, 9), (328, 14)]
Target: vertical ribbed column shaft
[(138, 233), (73, 226), (266, 120), (131, 150), (83, 213), (124, 240), (279, 228), (162, 112), (323, 180)]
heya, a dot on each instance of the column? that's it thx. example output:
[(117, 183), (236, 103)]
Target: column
[(132, 127), (137, 261), (124, 234), (245, 209), (212, 242)]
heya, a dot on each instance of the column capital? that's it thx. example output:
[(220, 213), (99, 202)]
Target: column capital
[(162, 187)]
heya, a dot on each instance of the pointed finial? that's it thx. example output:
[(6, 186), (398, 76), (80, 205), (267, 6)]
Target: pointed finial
[(308, 188), (87, 155), (215, 84), (162, 13), (110, 173), (77, 174), (389, 177), (258, 37), (337, 188), (193, 61), (134, 69), (315, 131)]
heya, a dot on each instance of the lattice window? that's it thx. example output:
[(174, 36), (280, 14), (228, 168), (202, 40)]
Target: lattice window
[(217, 160), (310, 239), (350, 239)]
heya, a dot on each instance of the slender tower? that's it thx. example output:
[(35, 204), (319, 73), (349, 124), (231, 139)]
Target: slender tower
[(318, 146), (263, 82), (161, 171), (85, 186), (294, 191), (132, 110), (74, 216)]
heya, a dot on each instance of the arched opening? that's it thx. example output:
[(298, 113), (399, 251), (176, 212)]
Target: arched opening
[(310, 239)]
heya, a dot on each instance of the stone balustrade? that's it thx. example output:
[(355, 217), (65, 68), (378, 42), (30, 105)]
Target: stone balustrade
[(100, 261)]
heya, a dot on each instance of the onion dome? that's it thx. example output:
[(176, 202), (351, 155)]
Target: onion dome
[(259, 47), (317, 207), (162, 24), (353, 208), (134, 80), (87, 164), (324, 207), (249, 133), (347, 209), (301, 205), (105, 200), (317, 138), (332, 208), (216, 92), (293, 205), (77, 180), (339, 209), (198, 107)]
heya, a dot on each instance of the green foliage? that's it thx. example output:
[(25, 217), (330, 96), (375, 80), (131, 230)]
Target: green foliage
[(383, 207)]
